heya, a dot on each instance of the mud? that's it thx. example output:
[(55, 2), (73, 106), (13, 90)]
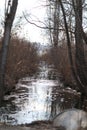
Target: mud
[(38, 125)]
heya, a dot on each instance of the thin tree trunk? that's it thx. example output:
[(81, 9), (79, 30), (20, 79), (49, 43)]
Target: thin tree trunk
[(56, 23)]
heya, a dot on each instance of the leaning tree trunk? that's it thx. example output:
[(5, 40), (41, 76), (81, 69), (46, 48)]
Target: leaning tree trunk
[(9, 18), (81, 65), (80, 74), (81, 86)]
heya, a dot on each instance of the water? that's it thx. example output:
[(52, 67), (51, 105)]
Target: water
[(34, 98)]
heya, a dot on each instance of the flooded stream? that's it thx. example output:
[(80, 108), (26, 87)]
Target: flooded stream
[(36, 98)]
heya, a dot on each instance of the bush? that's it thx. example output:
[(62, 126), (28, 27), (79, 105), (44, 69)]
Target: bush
[(59, 57), (22, 61)]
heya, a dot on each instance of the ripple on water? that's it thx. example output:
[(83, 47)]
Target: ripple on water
[(33, 99)]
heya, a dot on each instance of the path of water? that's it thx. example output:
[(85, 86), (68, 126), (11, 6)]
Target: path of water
[(31, 100), (37, 98)]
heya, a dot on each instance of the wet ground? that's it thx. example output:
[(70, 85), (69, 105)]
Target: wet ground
[(37, 98), (40, 125)]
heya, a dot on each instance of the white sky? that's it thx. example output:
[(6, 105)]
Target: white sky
[(34, 8)]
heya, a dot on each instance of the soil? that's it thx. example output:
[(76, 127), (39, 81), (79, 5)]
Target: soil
[(38, 125)]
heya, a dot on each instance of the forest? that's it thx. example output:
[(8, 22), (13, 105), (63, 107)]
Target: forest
[(65, 28)]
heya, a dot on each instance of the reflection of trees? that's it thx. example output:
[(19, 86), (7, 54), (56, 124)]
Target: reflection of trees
[(52, 74), (11, 120), (63, 99)]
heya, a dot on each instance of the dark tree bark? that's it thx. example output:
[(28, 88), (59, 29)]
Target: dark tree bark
[(77, 74), (80, 38), (80, 74), (81, 65), (9, 18), (56, 23)]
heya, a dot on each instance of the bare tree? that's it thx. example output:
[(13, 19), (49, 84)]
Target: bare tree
[(53, 13), (72, 14), (81, 64), (9, 18)]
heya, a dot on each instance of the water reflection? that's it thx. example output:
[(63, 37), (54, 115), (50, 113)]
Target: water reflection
[(63, 98), (37, 98), (31, 100)]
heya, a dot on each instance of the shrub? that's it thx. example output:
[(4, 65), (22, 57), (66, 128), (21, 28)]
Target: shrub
[(22, 61), (59, 57)]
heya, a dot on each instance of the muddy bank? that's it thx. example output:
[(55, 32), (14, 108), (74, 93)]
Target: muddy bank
[(38, 125)]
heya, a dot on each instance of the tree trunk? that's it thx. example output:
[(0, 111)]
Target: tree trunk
[(5, 43), (81, 65), (56, 23), (81, 87)]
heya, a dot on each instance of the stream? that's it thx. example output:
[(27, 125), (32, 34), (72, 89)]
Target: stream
[(40, 97)]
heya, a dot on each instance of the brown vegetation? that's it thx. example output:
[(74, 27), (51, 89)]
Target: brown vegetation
[(59, 57), (22, 61)]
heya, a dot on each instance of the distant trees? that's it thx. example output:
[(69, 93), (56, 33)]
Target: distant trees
[(9, 18), (22, 61), (67, 20), (53, 14)]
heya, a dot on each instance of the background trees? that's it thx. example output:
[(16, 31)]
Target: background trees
[(18, 57), (67, 21)]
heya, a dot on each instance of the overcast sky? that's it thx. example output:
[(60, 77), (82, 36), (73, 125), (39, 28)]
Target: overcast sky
[(36, 11)]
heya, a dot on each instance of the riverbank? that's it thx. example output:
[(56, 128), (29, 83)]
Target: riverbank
[(22, 61), (30, 100), (39, 125)]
